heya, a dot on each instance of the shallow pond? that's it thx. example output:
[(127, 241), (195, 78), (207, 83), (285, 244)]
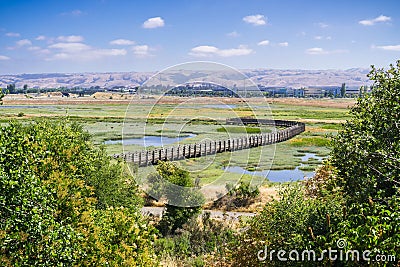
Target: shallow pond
[(280, 175)]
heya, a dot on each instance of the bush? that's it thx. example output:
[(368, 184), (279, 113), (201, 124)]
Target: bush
[(177, 188), (56, 197), (366, 155), (293, 222), (241, 195), (199, 241)]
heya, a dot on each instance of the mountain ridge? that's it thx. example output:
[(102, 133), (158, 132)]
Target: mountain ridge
[(295, 78)]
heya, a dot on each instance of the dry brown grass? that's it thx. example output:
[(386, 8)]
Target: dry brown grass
[(118, 98)]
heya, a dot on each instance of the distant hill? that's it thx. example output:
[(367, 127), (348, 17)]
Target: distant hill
[(267, 77)]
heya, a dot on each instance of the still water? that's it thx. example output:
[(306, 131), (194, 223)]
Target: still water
[(279, 175)]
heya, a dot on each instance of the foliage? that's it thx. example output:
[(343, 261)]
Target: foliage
[(240, 195), (293, 222), (183, 200), (354, 197), (239, 129), (53, 182), (366, 155), (199, 237)]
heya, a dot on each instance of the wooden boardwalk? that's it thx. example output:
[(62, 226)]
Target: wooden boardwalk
[(150, 157)]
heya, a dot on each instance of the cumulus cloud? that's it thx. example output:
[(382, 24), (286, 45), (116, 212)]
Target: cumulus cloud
[(322, 25), (321, 51), (122, 42), (34, 48), (70, 38), (284, 44), (152, 23), (40, 38), (81, 51), (23, 42), (141, 50), (389, 47), (319, 37), (233, 34), (265, 42), (256, 20), (13, 34), (4, 57), (371, 22), (207, 51)]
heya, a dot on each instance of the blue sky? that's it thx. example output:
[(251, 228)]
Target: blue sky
[(117, 35)]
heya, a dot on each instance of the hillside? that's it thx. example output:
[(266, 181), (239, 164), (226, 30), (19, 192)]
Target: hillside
[(266, 77)]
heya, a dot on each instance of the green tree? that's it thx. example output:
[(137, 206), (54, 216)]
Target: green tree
[(343, 90), (56, 201), (11, 88), (366, 155), (183, 200)]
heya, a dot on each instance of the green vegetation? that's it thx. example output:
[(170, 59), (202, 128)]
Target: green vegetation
[(183, 200), (63, 201), (238, 129), (354, 197)]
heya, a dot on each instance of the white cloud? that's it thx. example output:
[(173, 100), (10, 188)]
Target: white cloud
[(316, 51), (13, 34), (256, 20), (208, 51), (321, 51), (233, 34), (34, 48), (23, 42), (40, 38), (318, 37), (70, 47), (152, 23), (122, 42), (322, 25), (265, 42), (370, 22), (70, 38), (301, 34), (80, 51), (4, 57), (141, 50), (284, 44), (389, 47)]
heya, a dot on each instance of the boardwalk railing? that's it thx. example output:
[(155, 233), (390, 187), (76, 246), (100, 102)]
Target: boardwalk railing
[(179, 152)]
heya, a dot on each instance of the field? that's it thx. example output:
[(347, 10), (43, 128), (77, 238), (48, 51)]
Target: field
[(113, 117)]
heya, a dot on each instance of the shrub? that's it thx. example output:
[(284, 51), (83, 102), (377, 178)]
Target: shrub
[(183, 199), (56, 197), (293, 222), (241, 195)]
